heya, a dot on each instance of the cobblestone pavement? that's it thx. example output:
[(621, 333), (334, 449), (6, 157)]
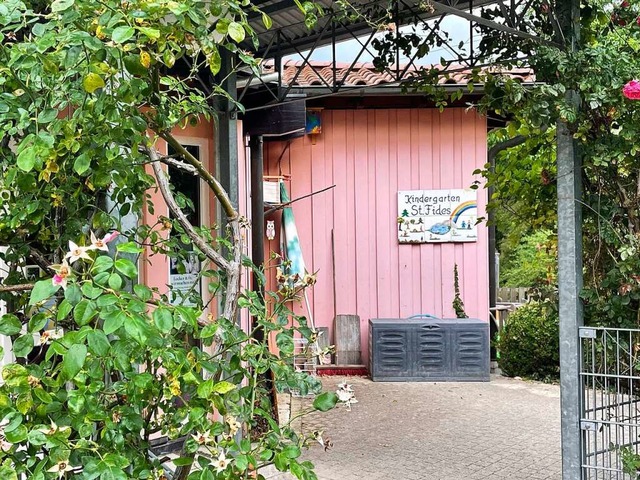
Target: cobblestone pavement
[(502, 430)]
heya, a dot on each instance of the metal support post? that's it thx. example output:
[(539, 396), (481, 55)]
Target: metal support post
[(257, 207), (227, 130), (570, 267), (570, 285)]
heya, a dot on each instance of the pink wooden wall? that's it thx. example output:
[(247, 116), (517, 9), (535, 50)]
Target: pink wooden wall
[(369, 155)]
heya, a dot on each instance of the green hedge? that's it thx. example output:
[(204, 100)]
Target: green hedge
[(529, 345)]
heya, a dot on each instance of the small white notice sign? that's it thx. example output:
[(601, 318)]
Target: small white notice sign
[(437, 216)]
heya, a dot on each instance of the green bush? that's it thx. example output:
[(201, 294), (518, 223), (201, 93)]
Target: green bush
[(529, 344), (531, 262)]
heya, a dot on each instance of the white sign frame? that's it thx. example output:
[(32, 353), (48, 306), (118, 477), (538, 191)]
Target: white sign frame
[(437, 216)]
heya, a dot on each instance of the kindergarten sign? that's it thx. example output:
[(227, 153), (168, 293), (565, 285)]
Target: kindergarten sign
[(437, 216)]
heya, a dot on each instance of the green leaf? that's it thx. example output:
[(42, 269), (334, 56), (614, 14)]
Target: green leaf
[(205, 474), (122, 34), (73, 294), (61, 5), (205, 389), (143, 292), (92, 82), (133, 66), (113, 321), (98, 343), (36, 437), (84, 312), (89, 291), (106, 300), (266, 19), (74, 360), (152, 33), (115, 281), (163, 319), (37, 322), (42, 395), (292, 451), (209, 331), (223, 387), (236, 32), (82, 163), (27, 158), (23, 346), (12, 421), (49, 115), (138, 329), (102, 264), (325, 401), (10, 325), (129, 247), (101, 278), (42, 290), (18, 435), (64, 309), (182, 461), (242, 462), (126, 267), (7, 472), (281, 462)]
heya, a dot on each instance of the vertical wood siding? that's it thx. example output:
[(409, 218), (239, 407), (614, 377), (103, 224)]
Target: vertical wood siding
[(369, 155)]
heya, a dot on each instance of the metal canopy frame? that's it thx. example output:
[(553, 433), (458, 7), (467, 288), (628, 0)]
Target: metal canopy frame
[(290, 36), (287, 39)]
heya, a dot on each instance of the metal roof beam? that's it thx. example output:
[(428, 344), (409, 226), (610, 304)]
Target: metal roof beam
[(491, 24)]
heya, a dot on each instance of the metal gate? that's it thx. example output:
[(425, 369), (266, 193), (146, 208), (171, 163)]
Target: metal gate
[(610, 403)]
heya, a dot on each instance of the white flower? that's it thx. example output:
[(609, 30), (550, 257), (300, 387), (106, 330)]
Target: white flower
[(53, 429), (345, 395), (202, 438), (101, 244), (60, 468), (62, 272), (48, 335), (221, 463), (234, 425), (616, 128), (76, 253), (345, 386)]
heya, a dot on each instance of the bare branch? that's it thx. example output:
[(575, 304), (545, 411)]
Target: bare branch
[(233, 272), (286, 204), (177, 212), (22, 287), (39, 259), (175, 163), (215, 186)]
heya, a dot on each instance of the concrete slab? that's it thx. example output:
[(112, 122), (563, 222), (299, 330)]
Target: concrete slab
[(502, 430)]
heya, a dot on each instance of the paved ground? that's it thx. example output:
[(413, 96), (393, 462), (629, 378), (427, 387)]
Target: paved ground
[(502, 430)]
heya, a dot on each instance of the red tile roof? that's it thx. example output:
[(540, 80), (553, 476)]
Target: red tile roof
[(364, 74)]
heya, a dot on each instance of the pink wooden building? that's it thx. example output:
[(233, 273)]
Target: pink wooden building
[(349, 234), (371, 146)]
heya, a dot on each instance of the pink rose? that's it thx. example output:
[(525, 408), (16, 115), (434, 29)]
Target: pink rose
[(632, 90)]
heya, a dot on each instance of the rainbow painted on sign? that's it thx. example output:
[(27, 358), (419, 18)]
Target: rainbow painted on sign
[(463, 207)]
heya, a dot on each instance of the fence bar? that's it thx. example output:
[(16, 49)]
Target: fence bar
[(609, 372)]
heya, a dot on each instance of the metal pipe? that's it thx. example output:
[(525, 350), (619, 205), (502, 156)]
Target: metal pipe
[(250, 82)]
